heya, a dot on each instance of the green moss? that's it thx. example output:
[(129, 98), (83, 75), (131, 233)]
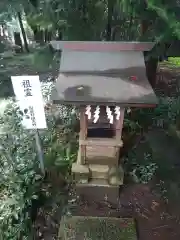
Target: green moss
[(94, 228)]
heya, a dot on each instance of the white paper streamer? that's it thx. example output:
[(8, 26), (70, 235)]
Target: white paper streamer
[(109, 115), (117, 112), (88, 111), (96, 114)]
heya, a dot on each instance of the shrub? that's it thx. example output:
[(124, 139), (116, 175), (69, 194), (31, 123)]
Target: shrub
[(20, 177), (174, 61), (143, 162)]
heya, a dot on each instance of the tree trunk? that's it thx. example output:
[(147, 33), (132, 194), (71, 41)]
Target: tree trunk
[(151, 63), (38, 34), (23, 32), (59, 35), (35, 30), (109, 23), (18, 42), (41, 37), (151, 70), (3, 30), (130, 32), (48, 36)]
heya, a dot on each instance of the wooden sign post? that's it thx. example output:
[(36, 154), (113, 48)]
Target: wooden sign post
[(27, 90)]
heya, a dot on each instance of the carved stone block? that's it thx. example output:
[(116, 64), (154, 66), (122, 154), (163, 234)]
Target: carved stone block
[(99, 171), (116, 176), (81, 173)]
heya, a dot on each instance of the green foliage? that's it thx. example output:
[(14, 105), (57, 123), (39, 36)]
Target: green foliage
[(144, 161), (44, 58), (78, 20), (20, 178), (175, 61), (165, 113), (168, 13), (139, 163), (85, 20), (60, 139), (2, 46)]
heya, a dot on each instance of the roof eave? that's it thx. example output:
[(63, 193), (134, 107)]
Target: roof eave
[(98, 46)]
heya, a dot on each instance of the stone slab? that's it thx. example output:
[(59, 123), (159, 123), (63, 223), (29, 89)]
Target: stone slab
[(98, 190), (95, 228)]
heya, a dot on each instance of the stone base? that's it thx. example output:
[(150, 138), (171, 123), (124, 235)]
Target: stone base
[(81, 173), (95, 228), (85, 173)]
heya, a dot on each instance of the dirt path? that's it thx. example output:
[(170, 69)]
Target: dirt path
[(167, 80), (153, 220)]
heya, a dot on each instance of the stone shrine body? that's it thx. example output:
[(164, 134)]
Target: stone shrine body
[(102, 79)]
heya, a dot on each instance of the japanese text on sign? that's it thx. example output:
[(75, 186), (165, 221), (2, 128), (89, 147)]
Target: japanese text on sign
[(28, 94), (32, 116), (27, 88)]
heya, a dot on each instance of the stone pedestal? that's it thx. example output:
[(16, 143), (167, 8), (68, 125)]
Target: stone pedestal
[(97, 171)]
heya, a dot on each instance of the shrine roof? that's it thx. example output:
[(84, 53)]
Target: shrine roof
[(104, 77)]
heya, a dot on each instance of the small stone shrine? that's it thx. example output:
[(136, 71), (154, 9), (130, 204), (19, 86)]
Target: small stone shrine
[(102, 79)]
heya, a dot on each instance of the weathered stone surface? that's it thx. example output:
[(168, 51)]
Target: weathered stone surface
[(98, 190), (102, 152), (81, 172), (94, 228), (79, 168), (103, 161), (99, 171), (116, 176)]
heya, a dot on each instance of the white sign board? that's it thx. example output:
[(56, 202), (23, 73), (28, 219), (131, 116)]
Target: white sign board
[(28, 94)]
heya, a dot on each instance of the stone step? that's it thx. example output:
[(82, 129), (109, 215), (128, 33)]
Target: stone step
[(99, 171), (100, 160), (103, 142), (103, 160), (98, 190), (78, 227), (96, 183), (81, 172), (111, 174)]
